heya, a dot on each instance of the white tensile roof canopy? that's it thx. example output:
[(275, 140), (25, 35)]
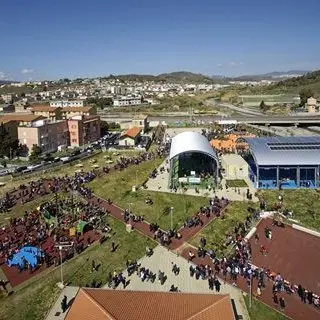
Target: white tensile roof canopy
[(190, 141)]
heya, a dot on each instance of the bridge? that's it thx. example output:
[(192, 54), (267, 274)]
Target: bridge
[(261, 120)]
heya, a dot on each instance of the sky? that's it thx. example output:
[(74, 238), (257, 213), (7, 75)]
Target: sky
[(80, 38)]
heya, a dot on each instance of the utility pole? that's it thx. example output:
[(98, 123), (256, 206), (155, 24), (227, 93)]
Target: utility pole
[(171, 218), (57, 210)]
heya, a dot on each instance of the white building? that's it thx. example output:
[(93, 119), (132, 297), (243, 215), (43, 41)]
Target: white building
[(6, 98), (66, 103), (126, 101)]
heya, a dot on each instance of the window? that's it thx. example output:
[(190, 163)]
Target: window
[(74, 140)]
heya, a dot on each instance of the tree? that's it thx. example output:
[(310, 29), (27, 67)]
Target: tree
[(263, 106), (305, 94), (35, 153), (7, 145)]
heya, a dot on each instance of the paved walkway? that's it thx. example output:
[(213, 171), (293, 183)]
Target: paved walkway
[(163, 259), (56, 311), (161, 184)]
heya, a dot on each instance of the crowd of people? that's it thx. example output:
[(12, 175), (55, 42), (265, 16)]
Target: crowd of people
[(240, 264)]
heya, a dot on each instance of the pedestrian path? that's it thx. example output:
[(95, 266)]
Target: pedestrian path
[(163, 260), (56, 311)]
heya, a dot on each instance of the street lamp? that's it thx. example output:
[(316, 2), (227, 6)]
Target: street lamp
[(62, 246), (171, 221), (130, 203)]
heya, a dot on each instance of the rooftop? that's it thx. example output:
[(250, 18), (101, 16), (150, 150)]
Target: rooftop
[(132, 133), (142, 305), (21, 117), (44, 108), (285, 150), (77, 109), (190, 141)]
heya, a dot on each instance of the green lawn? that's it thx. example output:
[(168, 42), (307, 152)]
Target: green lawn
[(100, 160), (117, 186), (34, 299), (215, 232), (236, 183), (304, 203), (261, 311)]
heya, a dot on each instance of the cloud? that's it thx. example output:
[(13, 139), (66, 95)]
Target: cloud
[(241, 63), (3, 75), (26, 71), (232, 63), (219, 65)]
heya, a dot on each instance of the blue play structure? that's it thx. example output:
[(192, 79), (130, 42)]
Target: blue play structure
[(26, 254)]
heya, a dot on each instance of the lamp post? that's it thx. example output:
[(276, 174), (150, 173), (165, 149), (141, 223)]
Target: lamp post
[(171, 221), (130, 203), (62, 246)]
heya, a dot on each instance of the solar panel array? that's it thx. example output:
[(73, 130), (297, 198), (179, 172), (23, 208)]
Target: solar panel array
[(285, 150), (278, 146)]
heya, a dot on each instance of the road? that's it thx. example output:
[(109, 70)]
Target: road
[(242, 119), (241, 110)]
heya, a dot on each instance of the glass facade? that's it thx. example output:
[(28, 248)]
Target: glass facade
[(285, 177)]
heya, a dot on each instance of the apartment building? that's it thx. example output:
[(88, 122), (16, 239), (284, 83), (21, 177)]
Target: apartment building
[(83, 129), (7, 98), (11, 127), (126, 101), (22, 119), (66, 103), (45, 134), (51, 113), (69, 112)]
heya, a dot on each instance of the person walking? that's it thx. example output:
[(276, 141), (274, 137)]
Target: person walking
[(64, 304), (282, 303), (275, 298)]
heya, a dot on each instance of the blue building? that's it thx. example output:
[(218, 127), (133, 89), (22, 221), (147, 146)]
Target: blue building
[(284, 162)]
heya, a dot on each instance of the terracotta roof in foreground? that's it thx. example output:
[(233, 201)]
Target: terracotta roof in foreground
[(98, 304)]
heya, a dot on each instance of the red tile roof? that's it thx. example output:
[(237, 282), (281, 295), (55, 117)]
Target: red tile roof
[(132, 133), (102, 304)]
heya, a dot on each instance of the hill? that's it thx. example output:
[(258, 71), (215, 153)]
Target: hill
[(179, 76), (310, 80), (275, 76), (185, 76)]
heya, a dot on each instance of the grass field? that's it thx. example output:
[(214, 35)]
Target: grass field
[(236, 184), (34, 299), (100, 160), (304, 203), (269, 99), (117, 186), (260, 311), (215, 232)]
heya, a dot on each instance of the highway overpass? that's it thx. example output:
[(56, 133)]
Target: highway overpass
[(261, 120)]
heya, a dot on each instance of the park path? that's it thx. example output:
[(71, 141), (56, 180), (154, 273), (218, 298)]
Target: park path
[(143, 226)]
